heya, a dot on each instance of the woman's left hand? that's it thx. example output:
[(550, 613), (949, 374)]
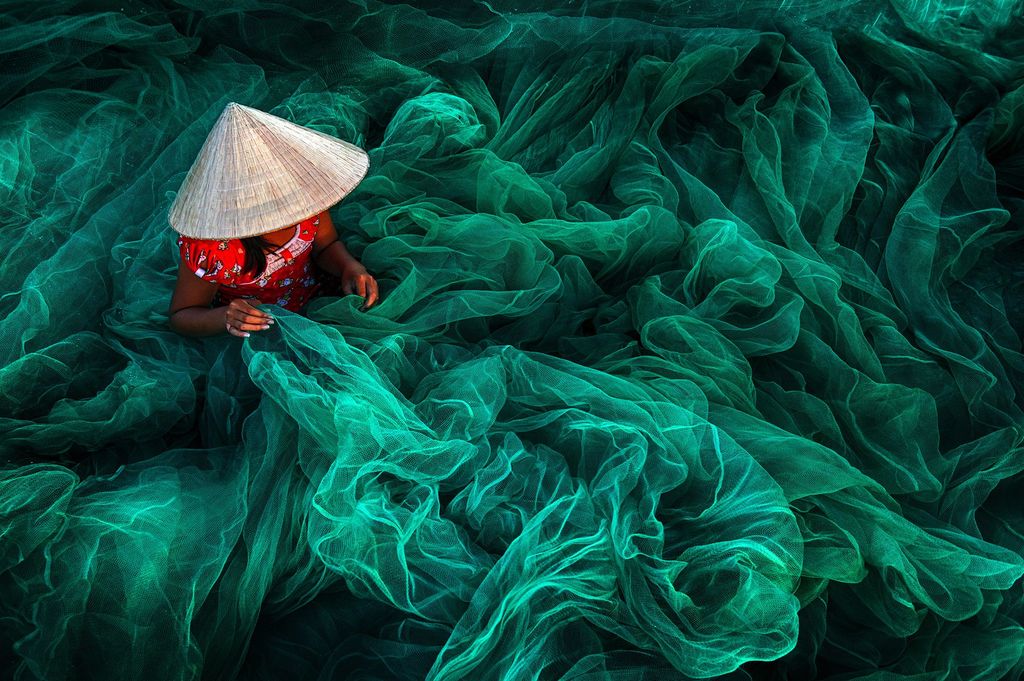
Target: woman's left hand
[(355, 279)]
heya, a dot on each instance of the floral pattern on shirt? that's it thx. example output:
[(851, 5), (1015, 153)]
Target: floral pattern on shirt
[(285, 280)]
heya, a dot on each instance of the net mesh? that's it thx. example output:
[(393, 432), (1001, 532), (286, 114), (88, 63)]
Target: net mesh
[(698, 353)]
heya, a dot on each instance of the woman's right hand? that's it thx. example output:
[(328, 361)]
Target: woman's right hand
[(241, 317)]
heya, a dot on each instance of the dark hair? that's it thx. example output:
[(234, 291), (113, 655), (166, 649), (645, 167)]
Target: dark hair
[(255, 256)]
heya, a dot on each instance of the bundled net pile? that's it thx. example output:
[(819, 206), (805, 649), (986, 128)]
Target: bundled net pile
[(698, 351)]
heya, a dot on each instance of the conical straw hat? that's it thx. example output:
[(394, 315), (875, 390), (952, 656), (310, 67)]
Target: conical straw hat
[(258, 173)]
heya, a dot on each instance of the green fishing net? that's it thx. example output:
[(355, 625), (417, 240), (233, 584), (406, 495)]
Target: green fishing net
[(698, 353)]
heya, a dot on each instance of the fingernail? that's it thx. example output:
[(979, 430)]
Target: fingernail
[(266, 326), (246, 334)]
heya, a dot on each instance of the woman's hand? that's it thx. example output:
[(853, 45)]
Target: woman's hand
[(241, 317), (355, 278)]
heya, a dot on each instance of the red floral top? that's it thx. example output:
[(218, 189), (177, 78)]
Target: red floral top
[(288, 280)]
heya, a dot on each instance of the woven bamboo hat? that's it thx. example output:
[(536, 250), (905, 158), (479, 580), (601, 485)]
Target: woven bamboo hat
[(258, 173)]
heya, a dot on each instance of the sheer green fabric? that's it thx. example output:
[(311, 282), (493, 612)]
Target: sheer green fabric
[(698, 353)]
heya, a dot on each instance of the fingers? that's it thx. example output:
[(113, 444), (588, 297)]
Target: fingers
[(373, 292), (242, 330), (233, 332), (248, 322), (250, 327), (368, 289), (363, 284), (251, 309), (242, 317)]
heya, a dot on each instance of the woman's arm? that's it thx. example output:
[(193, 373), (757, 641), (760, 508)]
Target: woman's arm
[(330, 254), (198, 321), (328, 251), (190, 313)]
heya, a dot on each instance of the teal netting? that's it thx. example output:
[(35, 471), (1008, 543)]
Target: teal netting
[(698, 351)]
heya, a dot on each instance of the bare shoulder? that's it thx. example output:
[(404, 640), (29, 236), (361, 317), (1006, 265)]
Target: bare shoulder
[(325, 231), (325, 219)]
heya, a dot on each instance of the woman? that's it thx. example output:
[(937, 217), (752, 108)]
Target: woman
[(287, 267), (253, 228)]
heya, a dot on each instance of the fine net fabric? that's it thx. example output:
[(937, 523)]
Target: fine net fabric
[(698, 353)]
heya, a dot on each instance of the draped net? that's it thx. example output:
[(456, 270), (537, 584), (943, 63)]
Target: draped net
[(698, 352)]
